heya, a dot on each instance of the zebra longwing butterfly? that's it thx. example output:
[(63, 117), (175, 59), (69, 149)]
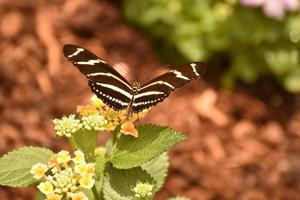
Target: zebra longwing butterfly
[(115, 91)]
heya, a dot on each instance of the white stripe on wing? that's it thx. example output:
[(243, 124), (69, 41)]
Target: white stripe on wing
[(116, 89), (159, 83), (110, 75)]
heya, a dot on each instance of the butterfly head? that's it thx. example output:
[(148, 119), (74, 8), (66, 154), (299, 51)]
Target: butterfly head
[(136, 86)]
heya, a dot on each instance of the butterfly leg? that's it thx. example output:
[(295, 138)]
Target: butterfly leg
[(129, 109)]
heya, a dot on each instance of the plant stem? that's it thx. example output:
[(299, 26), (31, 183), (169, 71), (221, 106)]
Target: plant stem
[(96, 195), (71, 142)]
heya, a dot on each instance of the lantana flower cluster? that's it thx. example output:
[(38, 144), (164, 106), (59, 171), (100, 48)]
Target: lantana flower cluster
[(65, 177), (143, 190), (274, 8), (96, 116)]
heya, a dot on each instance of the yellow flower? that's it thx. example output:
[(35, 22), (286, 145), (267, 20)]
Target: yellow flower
[(78, 196), (45, 187), (109, 126), (80, 168), (87, 182), (96, 101), (86, 110), (98, 116), (90, 169), (63, 157), (79, 157), (54, 197), (85, 169), (38, 170), (65, 179)]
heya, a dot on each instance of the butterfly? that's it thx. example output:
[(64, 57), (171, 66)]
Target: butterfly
[(115, 91)]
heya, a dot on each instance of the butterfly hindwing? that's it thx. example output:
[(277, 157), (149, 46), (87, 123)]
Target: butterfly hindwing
[(111, 97), (159, 88), (114, 90), (104, 81)]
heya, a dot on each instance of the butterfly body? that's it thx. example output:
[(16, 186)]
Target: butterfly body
[(115, 91)]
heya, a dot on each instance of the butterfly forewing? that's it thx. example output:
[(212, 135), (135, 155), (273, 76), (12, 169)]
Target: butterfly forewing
[(104, 81), (88, 62), (114, 89), (159, 88)]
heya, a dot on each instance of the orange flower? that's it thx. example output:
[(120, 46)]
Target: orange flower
[(53, 162), (128, 128)]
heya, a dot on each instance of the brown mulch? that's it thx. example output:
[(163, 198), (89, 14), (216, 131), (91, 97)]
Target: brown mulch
[(243, 144)]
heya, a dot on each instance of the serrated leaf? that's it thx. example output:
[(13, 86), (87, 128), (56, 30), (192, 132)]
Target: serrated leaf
[(158, 169), (100, 165), (153, 140), (118, 183), (85, 141), (15, 166)]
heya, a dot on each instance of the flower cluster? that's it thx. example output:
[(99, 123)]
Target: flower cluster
[(64, 177), (143, 190), (96, 116), (274, 8), (114, 118), (67, 125)]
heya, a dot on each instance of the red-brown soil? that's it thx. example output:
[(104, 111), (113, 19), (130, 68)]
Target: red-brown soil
[(242, 144)]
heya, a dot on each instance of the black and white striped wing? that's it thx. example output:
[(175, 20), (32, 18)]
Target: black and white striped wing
[(159, 88), (111, 87)]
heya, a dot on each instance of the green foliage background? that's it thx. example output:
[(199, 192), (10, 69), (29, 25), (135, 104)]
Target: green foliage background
[(192, 30)]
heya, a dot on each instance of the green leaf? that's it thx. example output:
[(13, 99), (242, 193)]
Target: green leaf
[(85, 141), (100, 165), (15, 166), (39, 196), (158, 169), (89, 194), (118, 183), (109, 147), (153, 140)]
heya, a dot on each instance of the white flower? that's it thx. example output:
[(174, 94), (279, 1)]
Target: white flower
[(78, 196), (54, 197), (67, 125), (87, 182), (38, 170), (94, 122), (79, 157), (63, 157), (143, 190), (45, 187)]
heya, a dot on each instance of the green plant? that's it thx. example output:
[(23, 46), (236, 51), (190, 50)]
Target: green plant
[(126, 168), (255, 45)]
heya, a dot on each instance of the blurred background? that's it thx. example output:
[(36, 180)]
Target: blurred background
[(242, 118)]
